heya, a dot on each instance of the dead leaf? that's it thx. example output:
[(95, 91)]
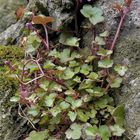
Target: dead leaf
[(117, 6), (19, 12), (42, 19)]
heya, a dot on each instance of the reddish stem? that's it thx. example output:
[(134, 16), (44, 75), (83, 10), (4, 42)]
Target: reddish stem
[(47, 41), (56, 81), (125, 11), (37, 33)]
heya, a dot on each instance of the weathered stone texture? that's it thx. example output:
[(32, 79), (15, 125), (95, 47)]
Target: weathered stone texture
[(127, 52)]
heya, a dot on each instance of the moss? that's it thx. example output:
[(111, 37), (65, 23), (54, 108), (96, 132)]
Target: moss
[(12, 126), (10, 53), (7, 83)]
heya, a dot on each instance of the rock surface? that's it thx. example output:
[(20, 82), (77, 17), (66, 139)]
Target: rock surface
[(11, 126), (126, 52), (7, 12)]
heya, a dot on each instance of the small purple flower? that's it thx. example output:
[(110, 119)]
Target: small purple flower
[(6, 62), (29, 26)]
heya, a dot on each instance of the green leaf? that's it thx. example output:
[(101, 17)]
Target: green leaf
[(67, 39), (72, 115), (104, 34), (68, 74), (74, 132), (30, 49), (89, 59), (75, 54), (49, 100), (73, 63), (77, 79), (99, 40), (101, 103), (117, 130), (55, 120), (48, 65), (85, 69), (65, 55), (116, 82), (86, 98), (94, 121), (55, 111), (118, 115), (87, 11), (109, 108), (44, 85), (96, 19), (70, 83), (93, 113), (92, 131), (93, 76), (69, 99), (121, 70), (33, 37), (96, 92), (60, 68), (55, 87), (105, 63), (76, 70), (15, 99), (69, 92), (64, 105), (33, 42), (32, 67), (34, 135), (82, 116), (54, 53), (104, 132), (76, 103), (33, 111), (86, 84), (94, 14), (104, 52), (44, 120)]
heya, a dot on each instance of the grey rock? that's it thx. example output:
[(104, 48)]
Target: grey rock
[(11, 125), (137, 134), (127, 51), (11, 33), (60, 10), (7, 12)]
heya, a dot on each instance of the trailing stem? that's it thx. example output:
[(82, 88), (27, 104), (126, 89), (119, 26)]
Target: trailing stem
[(124, 13)]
